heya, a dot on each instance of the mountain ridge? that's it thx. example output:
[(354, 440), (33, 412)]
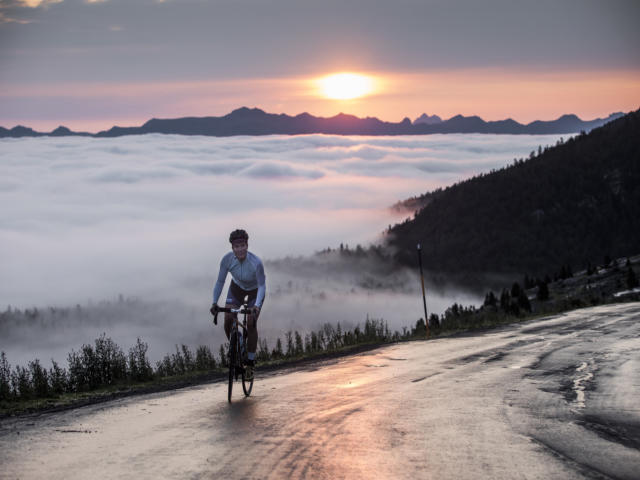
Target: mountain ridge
[(571, 204), (254, 122)]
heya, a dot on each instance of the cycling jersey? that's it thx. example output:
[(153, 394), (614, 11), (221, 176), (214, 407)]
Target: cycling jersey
[(248, 275)]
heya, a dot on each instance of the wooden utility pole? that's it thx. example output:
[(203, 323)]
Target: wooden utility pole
[(424, 297)]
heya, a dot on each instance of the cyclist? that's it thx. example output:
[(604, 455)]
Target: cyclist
[(247, 280)]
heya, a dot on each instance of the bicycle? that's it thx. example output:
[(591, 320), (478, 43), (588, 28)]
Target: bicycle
[(235, 355)]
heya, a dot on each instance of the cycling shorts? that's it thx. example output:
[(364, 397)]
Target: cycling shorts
[(236, 295)]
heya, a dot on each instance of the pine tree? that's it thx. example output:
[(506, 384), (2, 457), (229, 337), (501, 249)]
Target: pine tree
[(277, 351), (523, 301), (505, 300), (420, 330), (543, 291), (299, 347), (5, 377), (290, 347), (57, 378), (39, 379), (224, 360), (490, 300), (263, 350), (632, 279)]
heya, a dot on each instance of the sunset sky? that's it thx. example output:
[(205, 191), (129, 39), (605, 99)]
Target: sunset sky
[(90, 64)]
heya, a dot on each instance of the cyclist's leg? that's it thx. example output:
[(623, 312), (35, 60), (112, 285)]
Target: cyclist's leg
[(228, 320), (252, 326), (252, 333)]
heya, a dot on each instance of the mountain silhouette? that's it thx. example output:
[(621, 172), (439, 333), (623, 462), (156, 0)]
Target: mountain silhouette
[(253, 121), (570, 204), (428, 119)]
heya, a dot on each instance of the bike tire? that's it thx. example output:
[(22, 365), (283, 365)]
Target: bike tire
[(247, 385), (232, 364), (231, 372)]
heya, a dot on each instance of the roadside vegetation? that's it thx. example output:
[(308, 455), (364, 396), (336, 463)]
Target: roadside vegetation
[(103, 369)]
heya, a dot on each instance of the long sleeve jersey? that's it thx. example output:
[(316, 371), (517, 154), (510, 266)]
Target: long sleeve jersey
[(248, 275)]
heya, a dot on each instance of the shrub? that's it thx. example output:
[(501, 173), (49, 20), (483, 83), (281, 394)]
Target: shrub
[(57, 379), (39, 379), (204, 359), (139, 367)]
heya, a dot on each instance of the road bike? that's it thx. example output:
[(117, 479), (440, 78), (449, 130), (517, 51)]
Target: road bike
[(237, 349)]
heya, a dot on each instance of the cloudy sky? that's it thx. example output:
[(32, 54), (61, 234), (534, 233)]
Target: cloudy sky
[(89, 64)]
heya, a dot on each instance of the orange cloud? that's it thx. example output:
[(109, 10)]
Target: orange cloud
[(37, 3)]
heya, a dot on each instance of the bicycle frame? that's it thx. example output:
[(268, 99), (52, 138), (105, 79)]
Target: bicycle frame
[(233, 339), (234, 354)]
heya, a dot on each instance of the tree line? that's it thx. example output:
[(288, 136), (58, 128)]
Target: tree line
[(104, 364)]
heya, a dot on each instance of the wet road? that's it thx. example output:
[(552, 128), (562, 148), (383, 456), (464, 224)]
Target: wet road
[(551, 398)]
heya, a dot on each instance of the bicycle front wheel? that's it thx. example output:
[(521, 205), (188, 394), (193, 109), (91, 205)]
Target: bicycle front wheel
[(232, 364), (231, 374), (247, 385)]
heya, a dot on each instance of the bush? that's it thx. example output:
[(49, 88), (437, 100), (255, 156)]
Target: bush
[(57, 379), (39, 379), (92, 368), (21, 383), (138, 366), (263, 351), (205, 360), (111, 362)]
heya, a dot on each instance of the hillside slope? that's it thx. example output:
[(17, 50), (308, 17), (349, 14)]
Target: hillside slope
[(571, 204)]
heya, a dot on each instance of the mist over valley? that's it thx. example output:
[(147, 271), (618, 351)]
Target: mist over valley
[(132, 230)]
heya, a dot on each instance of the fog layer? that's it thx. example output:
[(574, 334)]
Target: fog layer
[(148, 217)]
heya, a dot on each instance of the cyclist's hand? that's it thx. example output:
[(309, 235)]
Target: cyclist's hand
[(214, 312), (255, 311)]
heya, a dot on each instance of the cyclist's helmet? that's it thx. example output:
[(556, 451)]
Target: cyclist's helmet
[(238, 235)]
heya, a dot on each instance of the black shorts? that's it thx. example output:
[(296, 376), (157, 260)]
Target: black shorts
[(236, 295)]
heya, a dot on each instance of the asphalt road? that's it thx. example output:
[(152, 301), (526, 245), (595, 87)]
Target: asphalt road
[(552, 398)]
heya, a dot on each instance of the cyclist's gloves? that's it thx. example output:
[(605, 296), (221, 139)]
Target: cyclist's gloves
[(214, 312)]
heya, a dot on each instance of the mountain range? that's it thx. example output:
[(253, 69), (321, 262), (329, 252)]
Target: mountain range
[(253, 121), (571, 204)]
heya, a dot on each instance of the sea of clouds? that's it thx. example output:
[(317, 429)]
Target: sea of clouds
[(83, 220)]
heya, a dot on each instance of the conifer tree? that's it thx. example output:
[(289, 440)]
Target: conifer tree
[(543, 291), (523, 301), (5, 377), (632, 279), (299, 347), (277, 351), (290, 347)]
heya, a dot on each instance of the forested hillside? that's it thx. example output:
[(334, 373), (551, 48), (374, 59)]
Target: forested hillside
[(570, 204)]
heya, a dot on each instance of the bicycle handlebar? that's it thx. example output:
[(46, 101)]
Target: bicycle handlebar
[(235, 310), (215, 310)]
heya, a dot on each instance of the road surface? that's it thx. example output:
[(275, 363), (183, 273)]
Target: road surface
[(552, 398)]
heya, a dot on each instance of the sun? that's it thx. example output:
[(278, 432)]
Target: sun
[(346, 86)]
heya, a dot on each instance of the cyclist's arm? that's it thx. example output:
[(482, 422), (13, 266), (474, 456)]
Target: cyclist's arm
[(222, 276), (262, 288)]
